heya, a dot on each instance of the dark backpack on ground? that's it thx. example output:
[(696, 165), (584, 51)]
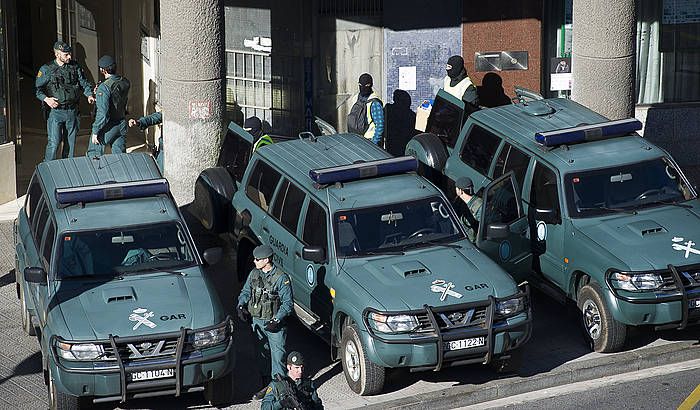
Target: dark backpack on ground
[(357, 118)]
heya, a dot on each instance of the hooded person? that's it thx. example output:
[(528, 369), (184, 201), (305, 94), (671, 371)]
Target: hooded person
[(254, 126), (366, 116), (458, 84)]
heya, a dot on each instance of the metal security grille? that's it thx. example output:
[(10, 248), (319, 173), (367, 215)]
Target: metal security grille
[(351, 8), (249, 82)]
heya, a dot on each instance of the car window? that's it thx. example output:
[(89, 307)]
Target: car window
[(315, 227), (446, 121), (512, 159), (40, 223), (501, 204), (261, 184), (47, 246), (480, 148), (544, 194), (287, 206), (235, 155), (33, 195)]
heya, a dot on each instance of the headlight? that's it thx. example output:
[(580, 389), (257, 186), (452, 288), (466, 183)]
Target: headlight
[(510, 306), (392, 323), (79, 351), (635, 282), (211, 337)]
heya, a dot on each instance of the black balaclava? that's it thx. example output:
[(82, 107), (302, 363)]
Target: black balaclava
[(254, 126), (365, 85), (456, 72)]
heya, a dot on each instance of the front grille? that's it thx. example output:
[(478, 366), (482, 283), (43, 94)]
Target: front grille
[(453, 319), (135, 351)]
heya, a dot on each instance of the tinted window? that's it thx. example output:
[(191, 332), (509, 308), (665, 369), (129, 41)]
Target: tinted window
[(287, 206), (512, 159), (315, 227), (38, 227), (543, 194), (479, 150), (445, 121), (501, 204), (33, 195), (261, 184), (235, 154), (47, 247)]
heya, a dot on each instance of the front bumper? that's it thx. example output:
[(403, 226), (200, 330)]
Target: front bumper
[(676, 306), (110, 380), (426, 350)]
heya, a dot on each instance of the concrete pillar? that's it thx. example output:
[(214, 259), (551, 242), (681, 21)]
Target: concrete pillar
[(603, 56), (192, 97)]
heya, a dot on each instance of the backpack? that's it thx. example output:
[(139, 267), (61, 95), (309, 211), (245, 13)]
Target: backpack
[(357, 118)]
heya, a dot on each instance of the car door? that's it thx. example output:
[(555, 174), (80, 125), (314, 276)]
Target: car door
[(39, 292), (236, 151), (503, 227), (475, 157), (281, 229), (45, 292), (256, 198), (314, 293)]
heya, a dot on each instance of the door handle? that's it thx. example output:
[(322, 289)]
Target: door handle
[(297, 254), (264, 228)]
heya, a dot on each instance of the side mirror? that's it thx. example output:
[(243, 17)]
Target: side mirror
[(314, 254), (497, 231), (35, 275), (549, 216), (212, 256)]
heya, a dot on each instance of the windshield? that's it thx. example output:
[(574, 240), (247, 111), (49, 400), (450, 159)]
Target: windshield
[(116, 252), (395, 227), (625, 188)]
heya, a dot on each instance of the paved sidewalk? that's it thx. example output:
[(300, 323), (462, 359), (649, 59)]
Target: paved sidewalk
[(555, 355)]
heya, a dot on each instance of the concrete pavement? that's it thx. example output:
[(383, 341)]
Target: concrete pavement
[(556, 355)]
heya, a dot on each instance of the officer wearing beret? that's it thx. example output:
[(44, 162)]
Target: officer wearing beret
[(110, 124), (59, 85), (468, 206), (293, 390), (266, 297)]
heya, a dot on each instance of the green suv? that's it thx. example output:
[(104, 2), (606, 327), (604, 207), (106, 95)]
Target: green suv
[(380, 266), (111, 284), (608, 218)]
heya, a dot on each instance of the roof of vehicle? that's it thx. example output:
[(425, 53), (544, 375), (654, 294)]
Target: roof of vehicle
[(297, 157), (518, 124), (84, 171)]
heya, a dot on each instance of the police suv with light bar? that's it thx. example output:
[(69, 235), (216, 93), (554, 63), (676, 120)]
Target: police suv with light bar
[(379, 264), (610, 218), (112, 285)]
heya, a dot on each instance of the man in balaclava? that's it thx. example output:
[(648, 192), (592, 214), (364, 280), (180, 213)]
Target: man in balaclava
[(254, 126), (366, 116), (460, 85)]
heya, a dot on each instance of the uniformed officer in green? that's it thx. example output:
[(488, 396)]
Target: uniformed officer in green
[(292, 390), (468, 206), (59, 85), (254, 126), (110, 124), (267, 298), (147, 121)]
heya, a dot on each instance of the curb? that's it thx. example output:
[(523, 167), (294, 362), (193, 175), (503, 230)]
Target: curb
[(572, 372)]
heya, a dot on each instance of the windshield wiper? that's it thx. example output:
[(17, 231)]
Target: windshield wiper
[(605, 208), (387, 252), (153, 269), (675, 203), (437, 243)]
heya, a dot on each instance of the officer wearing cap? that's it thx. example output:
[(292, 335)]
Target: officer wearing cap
[(110, 124), (266, 297), (468, 206), (254, 126), (59, 85), (293, 390)]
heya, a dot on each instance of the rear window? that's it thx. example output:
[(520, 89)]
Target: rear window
[(479, 150)]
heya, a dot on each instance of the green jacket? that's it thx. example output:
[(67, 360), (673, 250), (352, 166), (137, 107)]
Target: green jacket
[(64, 83), (303, 390), (111, 98), (282, 287)]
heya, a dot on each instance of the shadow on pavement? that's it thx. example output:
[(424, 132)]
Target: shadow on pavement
[(30, 365)]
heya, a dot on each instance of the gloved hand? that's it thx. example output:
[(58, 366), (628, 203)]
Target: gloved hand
[(243, 314), (272, 325)]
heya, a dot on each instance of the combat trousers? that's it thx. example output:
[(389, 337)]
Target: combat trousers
[(270, 348), (114, 135), (59, 120)]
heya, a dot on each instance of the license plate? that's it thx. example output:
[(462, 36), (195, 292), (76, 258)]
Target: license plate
[(465, 343), (694, 303), (152, 374)]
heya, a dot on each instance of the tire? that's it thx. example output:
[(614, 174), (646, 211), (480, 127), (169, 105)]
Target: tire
[(429, 150), (27, 325), (62, 401), (364, 377), (213, 192), (604, 333), (507, 365), (219, 392)]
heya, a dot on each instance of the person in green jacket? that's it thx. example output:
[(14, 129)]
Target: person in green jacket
[(292, 390), (254, 126), (110, 124), (147, 121)]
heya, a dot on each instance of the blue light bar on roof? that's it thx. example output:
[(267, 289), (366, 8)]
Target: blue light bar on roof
[(587, 133), (362, 170), (107, 192)]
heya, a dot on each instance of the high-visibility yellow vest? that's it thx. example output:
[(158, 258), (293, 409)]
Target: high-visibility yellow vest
[(262, 141), (459, 89)]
